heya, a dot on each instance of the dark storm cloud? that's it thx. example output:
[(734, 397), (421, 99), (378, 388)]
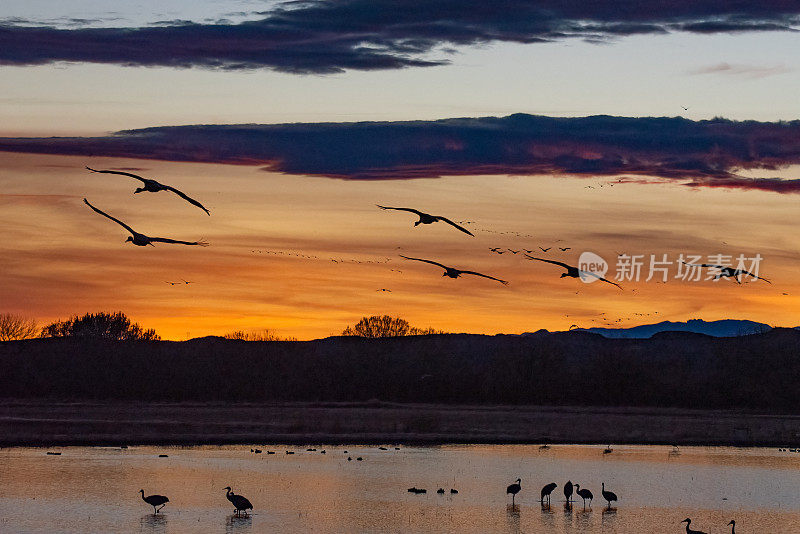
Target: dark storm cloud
[(323, 36), (700, 153)]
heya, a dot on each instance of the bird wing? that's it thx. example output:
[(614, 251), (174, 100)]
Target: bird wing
[(187, 198), (175, 241), (451, 223), (104, 214), (601, 278), (742, 271), (412, 210), (561, 263), (426, 261), (120, 173), (485, 276)]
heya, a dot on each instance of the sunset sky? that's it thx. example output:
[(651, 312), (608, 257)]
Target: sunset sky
[(540, 123)]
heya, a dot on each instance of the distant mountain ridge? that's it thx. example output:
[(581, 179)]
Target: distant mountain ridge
[(721, 328)]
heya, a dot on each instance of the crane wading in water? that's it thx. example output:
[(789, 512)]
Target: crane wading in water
[(546, 491), (240, 503), (584, 494), (513, 489), (155, 500)]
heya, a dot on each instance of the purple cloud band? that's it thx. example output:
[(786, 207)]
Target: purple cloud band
[(316, 36), (699, 153)]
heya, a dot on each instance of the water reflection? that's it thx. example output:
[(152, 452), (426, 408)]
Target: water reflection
[(238, 524), (153, 524), (513, 518), (325, 494)]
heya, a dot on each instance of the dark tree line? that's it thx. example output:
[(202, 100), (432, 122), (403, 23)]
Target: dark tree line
[(757, 372), (110, 326)]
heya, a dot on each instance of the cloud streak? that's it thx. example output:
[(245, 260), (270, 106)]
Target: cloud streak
[(745, 71), (316, 36), (701, 153)]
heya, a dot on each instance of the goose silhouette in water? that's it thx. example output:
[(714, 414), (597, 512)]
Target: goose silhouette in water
[(239, 502), (513, 489), (155, 500), (142, 240), (573, 272), (151, 186), (732, 524), (455, 273), (728, 272), (690, 530), (425, 218)]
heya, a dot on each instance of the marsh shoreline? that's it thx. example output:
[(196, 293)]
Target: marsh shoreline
[(43, 423)]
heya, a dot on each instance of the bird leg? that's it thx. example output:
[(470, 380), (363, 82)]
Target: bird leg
[(160, 507)]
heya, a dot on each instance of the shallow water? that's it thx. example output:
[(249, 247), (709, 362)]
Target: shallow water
[(96, 489)]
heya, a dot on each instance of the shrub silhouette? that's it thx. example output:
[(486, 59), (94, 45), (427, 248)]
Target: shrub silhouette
[(376, 326), (261, 335), (112, 326)]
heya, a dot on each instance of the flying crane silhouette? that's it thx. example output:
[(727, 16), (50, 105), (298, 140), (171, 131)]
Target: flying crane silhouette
[(573, 272), (453, 272), (425, 218), (152, 186), (728, 272), (142, 240)]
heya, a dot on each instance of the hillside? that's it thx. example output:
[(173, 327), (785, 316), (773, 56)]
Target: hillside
[(722, 328)]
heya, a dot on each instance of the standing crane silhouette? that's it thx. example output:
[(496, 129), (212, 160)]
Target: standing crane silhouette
[(546, 491), (568, 491), (608, 495), (733, 526), (513, 489), (155, 500), (584, 494), (690, 530), (239, 502)]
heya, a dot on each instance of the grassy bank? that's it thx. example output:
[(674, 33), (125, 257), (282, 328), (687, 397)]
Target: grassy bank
[(45, 424)]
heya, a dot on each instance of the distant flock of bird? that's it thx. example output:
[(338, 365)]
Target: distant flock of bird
[(152, 186)]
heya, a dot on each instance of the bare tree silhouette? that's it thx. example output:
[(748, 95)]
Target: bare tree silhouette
[(15, 327), (385, 326)]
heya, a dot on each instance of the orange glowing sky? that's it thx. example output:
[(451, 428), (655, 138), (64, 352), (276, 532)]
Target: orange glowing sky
[(58, 258)]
